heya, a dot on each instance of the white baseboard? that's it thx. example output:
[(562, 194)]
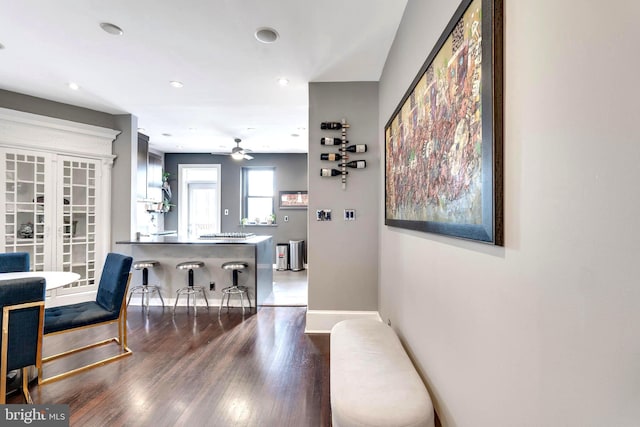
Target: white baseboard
[(70, 299), (182, 302), (321, 321)]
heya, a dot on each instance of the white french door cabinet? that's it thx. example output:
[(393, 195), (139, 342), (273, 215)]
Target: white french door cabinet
[(55, 194)]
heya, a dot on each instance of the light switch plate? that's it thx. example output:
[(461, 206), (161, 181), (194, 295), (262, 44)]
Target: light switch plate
[(349, 214), (226, 211), (323, 215)]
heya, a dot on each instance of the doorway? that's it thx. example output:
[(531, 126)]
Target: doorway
[(199, 199)]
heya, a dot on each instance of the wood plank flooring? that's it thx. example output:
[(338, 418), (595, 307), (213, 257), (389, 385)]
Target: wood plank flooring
[(200, 371)]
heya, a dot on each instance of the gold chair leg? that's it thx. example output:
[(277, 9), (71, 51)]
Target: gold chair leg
[(25, 386), (102, 362), (121, 340)]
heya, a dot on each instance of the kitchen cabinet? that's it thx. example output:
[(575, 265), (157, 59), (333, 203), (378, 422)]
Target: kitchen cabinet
[(56, 190)]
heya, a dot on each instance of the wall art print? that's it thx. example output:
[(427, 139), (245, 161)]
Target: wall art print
[(294, 199), (443, 143)]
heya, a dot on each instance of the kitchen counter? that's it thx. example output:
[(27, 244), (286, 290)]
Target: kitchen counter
[(170, 250), (177, 240)]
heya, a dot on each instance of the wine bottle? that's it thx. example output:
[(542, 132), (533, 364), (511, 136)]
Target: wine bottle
[(331, 141), (333, 125), (331, 172), (358, 148), (332, 157), (357, 164)]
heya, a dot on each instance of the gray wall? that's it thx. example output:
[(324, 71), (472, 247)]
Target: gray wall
[(45, 107), (545, 331), (343, 257), (291, 174), (124, 180)]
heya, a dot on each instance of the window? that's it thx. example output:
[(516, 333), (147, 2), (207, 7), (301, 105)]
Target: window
[(257, 193)]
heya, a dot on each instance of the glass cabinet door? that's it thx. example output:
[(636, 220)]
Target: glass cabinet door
[(26, 218), (78, 221), (50, 211)]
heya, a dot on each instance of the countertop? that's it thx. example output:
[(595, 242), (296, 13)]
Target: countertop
[(177, 240)]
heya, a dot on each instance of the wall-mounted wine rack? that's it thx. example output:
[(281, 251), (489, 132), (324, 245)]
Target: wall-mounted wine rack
[(344, 149)]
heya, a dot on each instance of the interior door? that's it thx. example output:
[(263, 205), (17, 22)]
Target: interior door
[(77, 219), (27, 221)]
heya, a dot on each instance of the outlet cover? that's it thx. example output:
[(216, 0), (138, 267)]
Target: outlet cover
[(349, 214)]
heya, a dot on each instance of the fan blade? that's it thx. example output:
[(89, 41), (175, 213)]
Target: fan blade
[(248, 157)]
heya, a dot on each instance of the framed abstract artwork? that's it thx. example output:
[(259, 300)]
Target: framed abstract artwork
[(294, 200), (443, 142)]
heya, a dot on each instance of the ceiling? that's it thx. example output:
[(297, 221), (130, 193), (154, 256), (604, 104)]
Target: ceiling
[(230, 78)]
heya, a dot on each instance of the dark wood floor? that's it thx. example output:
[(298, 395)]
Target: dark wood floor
[(198, 371)]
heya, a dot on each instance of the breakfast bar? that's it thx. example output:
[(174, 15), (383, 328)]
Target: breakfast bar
[(213, 251)]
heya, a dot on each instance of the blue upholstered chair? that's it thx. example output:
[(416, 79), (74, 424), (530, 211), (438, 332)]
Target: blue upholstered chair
[(22, 303), (14, 261), (108, 308)]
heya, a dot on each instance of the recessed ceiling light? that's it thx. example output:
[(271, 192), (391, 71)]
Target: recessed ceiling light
[(176, 84), (141, 129), (282, 81), (73, 86), (266, 35), (166, 134), (192, 129), (111, 28), (1, 46), (295, 135)]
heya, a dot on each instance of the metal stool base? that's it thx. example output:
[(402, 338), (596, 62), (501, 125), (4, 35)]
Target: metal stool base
[(188, 291), (145, 290), (235, 290)]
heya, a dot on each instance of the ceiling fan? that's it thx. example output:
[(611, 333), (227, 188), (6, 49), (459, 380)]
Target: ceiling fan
[(239, 153)]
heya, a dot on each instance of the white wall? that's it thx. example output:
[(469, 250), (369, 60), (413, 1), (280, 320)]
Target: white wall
[(545, 331)]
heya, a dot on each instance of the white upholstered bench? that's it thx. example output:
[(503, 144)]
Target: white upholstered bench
[(373, 382)]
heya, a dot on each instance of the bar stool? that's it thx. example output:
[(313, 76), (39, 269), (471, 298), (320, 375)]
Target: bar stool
[(236, 267), (190, 289), (145, 289)]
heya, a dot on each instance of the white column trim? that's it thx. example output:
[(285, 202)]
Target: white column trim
[(48, 134)]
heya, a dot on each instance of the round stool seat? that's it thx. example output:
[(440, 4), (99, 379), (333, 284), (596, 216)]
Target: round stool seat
[(148, 263), (191, 289), (188, 265), (145, 289), (236, 268), (235, 265)]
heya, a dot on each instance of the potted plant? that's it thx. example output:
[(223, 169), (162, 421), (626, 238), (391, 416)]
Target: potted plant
[(166, 205), (271, 219), (166, 188)]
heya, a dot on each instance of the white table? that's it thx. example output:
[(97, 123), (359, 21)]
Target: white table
[(54, 279)]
